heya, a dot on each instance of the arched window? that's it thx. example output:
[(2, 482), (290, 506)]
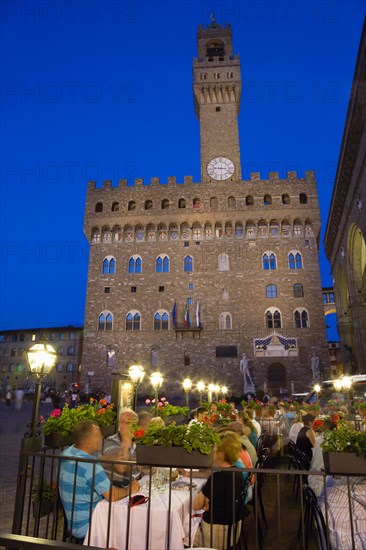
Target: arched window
[(108, 265), (225, 321), (187, 359), (218, 230), (298, 290), (148, 205), (295, 260), (214, 203), (303, 198), (105, 321), (285, 199), (99, 207), (269, 261), (301, 318), (60, 351), (231, 202), (267, 200), (115, 206), (161, 320), (249, 201), (133, 320), (70, 350), (135, 264), (181, 203), (271, 291), (196, 203), (273, 318), (188, 263), (162, 264), (223, 262), (131, 205), (95, 235), (165, 204), (273, 228), (238, 230)]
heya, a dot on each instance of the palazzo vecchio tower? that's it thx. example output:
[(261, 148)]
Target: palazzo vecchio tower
[(187, 277)]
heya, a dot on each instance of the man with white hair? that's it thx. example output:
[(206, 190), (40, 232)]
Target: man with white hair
[(121, 447)]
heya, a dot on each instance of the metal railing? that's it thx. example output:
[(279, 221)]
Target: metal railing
[(281, 512)]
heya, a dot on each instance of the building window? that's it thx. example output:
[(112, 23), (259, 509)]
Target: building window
[(196, 203), (225, 321), (303, 198), (21, 337), (249, 201), (271, 291), (223, 262), (148, 205), (295, 260), (298, 290), (161, 289), (135, 264), (61, 336), (189, 301), (161, 321), (59, 367), (231, 202), (105, 321), (218, 109), (187, 359), (12, 352), (188, 264), (301, 319), (99, 207), (107, 289), (269, 261), (285, 199), (181, 203), (214, 203), (273, 318), (133, 320), (190, 286), (131, 206), (70, 367), (162, 264), (60, 351), (109, 266), (70, 350), (115, 206), (165, 204), (133, 289), (72, 336), (267, 200), (52, 336)]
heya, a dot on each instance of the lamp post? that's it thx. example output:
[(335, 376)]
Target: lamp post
[(224, 391), (211, 389), (201, 388), (338, 388), (156, 380), (41, 358), (187, 386), (217, 389), (347, 384), (136, 373)]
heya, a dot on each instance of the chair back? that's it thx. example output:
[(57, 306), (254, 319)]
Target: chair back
[(311, 504)]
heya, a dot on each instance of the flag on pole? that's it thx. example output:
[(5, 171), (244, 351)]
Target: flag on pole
[(187, 322), (198, 315), (174, 315)]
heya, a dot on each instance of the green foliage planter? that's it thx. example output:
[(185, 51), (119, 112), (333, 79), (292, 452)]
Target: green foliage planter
[(344, 463), (178, 419), (186, 446), (55, 440)]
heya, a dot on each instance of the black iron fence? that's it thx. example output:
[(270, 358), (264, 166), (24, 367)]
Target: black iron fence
[(282, 512)]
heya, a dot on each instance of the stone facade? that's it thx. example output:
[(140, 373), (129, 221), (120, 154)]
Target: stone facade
[(212, 248), (345, 239)]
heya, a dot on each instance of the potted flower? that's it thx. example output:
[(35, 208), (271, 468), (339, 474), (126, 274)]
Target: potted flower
[(185, 446), (59, 426), (170, 413), (44, 495), (344, 450)]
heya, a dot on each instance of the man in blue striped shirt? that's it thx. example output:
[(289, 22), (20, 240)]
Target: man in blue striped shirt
[(84, 484)]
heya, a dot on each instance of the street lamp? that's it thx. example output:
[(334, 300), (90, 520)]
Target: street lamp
[(156, 380), (136, 373), (201, 388), (317, 389), (211, 389), (41, 358), (187, 386), (217, 389), (224, 391)]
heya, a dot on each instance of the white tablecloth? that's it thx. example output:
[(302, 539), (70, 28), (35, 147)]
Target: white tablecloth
[(180, 516), (339, 516)]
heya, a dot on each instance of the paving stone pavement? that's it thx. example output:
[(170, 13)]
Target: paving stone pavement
[(13, 425)]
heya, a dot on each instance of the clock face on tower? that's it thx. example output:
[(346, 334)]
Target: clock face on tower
[(220, 168)]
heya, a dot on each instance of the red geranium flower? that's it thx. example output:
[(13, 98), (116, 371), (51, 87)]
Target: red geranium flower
[(139, 433)]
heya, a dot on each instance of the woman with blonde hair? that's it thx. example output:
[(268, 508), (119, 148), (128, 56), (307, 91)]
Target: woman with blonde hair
[(217, 496), (249, 428)]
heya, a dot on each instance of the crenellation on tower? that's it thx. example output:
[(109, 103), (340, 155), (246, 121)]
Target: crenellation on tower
[(139, 182), (107, 184), (155, 182), (255, 176), (172, 180)]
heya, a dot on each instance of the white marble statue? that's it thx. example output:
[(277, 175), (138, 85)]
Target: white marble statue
[(244, 369), (315, 367)]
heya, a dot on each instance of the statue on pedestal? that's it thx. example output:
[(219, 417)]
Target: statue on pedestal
[(315, 367), (244, 369)]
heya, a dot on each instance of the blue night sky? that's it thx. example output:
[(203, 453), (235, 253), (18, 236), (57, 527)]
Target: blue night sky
[(103, 90)]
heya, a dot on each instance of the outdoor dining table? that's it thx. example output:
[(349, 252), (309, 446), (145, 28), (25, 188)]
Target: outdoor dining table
[(157, 508), (344, 515)]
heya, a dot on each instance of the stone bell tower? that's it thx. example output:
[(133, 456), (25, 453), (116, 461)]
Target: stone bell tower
[(217, 90)]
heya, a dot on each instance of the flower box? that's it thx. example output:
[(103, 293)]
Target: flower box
[(44, 507), (156, 455), (177, 418), (54, 440), (344, 463)]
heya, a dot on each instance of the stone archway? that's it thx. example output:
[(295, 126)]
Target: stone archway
[(277, 378)]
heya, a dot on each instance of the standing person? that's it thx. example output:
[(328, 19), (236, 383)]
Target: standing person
[(19, 396), (121, 447), (80, 492), (8, 396), (306, 436)]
